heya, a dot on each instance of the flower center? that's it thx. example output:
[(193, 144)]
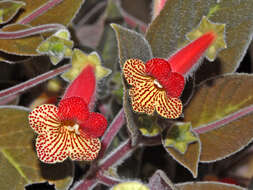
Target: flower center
[(157, 84), (71, 126)]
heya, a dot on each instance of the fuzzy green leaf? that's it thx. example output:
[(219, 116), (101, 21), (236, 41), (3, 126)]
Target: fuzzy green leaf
[(19, 163), (221, 113)]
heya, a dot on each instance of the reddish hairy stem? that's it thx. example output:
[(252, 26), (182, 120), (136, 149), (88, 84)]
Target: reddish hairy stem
[(225, 120), (32, 82), (111, 132), (86, 184), (30, 31), (42, 9), (107, 180)]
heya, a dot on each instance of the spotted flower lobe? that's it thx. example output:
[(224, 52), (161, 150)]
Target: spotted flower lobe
[(148, 92), (59, 138)]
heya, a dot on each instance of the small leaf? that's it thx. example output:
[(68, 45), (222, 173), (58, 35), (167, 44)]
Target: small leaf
[(131, 45), (179, 136), (221, 113), (160, 181), (167, 32), (208, 26), (133, 185), (57, 46), (207, 186), (148, 125), (24, 46), (81, 60), (8, 9), (19, 163), (185, 148)]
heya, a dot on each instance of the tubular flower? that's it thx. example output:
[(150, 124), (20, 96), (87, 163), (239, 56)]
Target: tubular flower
[(158, 83), (69, 130), (151, 90)]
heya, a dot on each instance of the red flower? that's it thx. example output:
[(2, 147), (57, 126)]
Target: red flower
[(69, 130), (158, 84)]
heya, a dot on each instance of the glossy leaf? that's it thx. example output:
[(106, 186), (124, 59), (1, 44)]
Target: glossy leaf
[(190, 158), (131, 45), (207, 186), (221, 113), (19, 163), (167, 32), (8, 9), (160, 181), (24, 46)]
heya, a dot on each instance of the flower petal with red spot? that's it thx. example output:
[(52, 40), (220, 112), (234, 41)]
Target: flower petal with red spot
[(73, 108), (82, 147), (168, 107), (95, 126), (44, 118), (52, 147), (143, 97), (134, 72)]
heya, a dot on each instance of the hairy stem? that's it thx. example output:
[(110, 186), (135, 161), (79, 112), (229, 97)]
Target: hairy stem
[(225, 120), (111, 132), (41, 10), (30, 31), (33, 82)]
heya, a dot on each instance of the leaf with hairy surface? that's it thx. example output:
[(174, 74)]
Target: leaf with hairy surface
[(190, 158), (167, 32), (207, 186), (24, 46), (18, 158), (131, 45), (221, 113), (38, 12), (159, 181), (8, 9)]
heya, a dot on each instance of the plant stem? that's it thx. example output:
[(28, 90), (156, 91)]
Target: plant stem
[(33, 82), (111, 132), (225, 120), (42, 9)]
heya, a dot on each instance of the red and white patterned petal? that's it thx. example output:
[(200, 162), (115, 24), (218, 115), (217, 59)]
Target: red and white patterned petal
[(143, 97), (134, 72), (44, 118), (168, 107), (53, 147), (83, 148)]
